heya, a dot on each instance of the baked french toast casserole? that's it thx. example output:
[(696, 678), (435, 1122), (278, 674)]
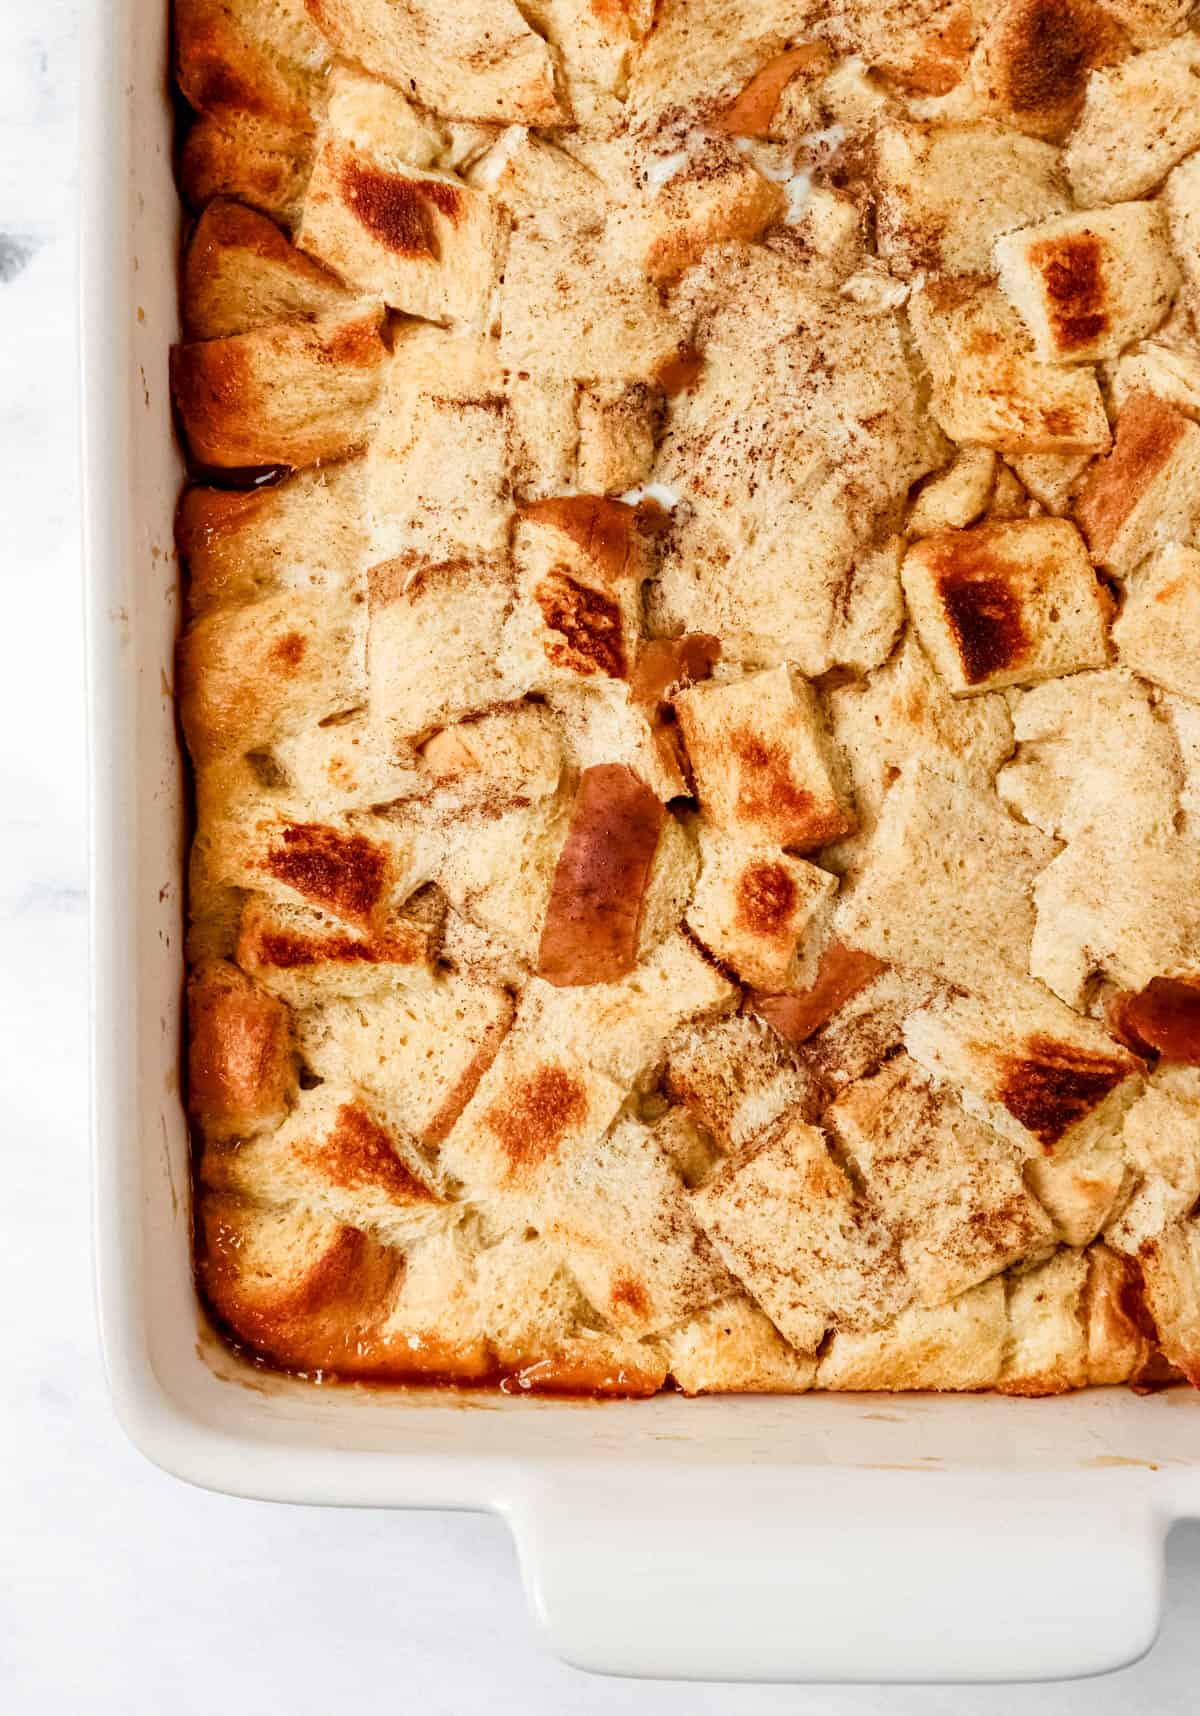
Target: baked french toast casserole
[(691, 671)]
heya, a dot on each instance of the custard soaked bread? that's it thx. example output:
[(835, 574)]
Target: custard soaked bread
[(691, 676)]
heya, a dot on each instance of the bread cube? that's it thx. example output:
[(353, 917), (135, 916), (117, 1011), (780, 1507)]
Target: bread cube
[(946, 193), (1092, 754), (623, 1028), (958, 1346), (989, 387), (904, 713), (1052, 1082), (534, 1106), (619, 1213), (1087, 285), (433, 647), (236, 154), (732, 1348), (536, 180), (580, 567), (358, 868), (543, 436), (481, 63), (1181, 202), (511, 753), (1006, 604), (242, 1071), (1139, 118), (423, 241), (735, 1077), (761, 912), (762, 760), (420, 1052), (305, 533), (1030, 66), (717, 195), (573, 307), (437, 470), (1118, 1345), (1046, 1351), (298, 1287), (787, 1221), (1080, 1193), (849, 1033), (257, 57), (336, 1155), (950, 1188), (294, 393), (617, 425), (306, 957), (1170, 1268), (1119, 901), (1157, 632), (1160, 1141), (241, 272), (1051, 478), (251, 674), (956, 496), (945, 885), (1147, 491)]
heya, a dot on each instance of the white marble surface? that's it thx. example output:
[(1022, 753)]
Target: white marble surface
[(123, 1593)]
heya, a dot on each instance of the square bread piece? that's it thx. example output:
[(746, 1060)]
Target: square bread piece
[(788, 1222), (950, 1187), (376, 213), (1006, 604), (947, 883), (761, 912), (946, 192), (763, 763), (989, 386), (1157, 632), (1052, 1082), (1088, 285), (1147, 491)]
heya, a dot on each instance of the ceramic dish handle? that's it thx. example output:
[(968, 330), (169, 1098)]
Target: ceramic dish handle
[(840, 1576)]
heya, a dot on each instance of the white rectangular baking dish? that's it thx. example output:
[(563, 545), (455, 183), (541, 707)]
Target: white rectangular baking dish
[(826, 1537)]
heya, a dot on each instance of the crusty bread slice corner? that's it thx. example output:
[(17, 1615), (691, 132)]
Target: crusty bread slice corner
[(242, 1067), (339, 1155), (957, 1346), (1119, 1345), (240, 155), (241, 272), (291, 394), (259, 57), (733, 1348), (1139, 118), (251, 674), (478, 62), (1147, 491), (298, 1287), (306, 532), (1046, 1349), (1170, 1268)]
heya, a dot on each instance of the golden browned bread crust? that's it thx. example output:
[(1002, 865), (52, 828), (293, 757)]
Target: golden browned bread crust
[(690, 669)]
